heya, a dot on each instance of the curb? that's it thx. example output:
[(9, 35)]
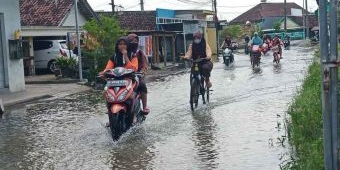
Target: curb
[(26, 100)]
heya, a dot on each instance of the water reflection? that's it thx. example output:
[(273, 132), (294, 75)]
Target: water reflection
[(133, 151), (204, 137)]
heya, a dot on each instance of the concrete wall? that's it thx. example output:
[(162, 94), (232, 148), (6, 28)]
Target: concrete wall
[(14, 69), (70, 19)]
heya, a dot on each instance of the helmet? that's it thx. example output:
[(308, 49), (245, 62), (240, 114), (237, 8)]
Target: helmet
[(256, 33), (248, 23)]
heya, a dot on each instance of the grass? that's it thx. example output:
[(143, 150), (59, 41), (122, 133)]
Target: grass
[(305, 124)]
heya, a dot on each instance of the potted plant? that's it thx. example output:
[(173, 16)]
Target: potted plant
[(66, 66)]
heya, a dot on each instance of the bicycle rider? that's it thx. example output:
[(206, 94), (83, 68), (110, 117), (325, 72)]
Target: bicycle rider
[(200, 49)]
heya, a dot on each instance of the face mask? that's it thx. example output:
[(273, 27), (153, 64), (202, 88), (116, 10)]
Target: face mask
[(197, 41), (134, 46)]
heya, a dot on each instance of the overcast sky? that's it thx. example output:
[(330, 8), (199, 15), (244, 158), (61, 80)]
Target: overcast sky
[(227, 9)]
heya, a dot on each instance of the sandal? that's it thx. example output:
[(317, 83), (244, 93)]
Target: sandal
[(146, 111)]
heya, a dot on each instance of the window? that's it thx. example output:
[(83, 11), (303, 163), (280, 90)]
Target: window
[(42, 45)]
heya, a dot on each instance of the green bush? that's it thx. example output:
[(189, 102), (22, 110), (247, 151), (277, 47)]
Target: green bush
[(65, 62)]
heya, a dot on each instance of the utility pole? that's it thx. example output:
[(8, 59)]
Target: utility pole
[(113, 6), (285, 6), (142, 5), (78, 41), (307, 20), (216, 25)]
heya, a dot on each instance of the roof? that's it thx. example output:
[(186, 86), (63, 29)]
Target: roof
[(265, 10), (312, 20), (268, 22), (50, 13), (135, 20)]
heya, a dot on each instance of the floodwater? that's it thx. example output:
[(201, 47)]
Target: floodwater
[(240, 129)]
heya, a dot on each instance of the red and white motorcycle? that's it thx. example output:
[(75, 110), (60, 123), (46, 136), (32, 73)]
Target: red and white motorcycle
[(122, 100)]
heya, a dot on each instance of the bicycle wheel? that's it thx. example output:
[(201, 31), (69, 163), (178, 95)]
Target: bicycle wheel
[(194, 94)]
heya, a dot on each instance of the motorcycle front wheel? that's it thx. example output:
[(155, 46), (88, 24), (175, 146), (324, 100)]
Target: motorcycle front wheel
[(118, 124)]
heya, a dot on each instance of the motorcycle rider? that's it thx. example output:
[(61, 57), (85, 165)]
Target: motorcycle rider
[(277, 42), (142, 67), (200, 49), (256, 40), (227, 43), (246, 40), (123, 56)]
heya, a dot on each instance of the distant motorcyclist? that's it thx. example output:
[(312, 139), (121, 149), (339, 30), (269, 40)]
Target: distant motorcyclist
[(256, 40), (226, 43), (246, 41), (278, 42)]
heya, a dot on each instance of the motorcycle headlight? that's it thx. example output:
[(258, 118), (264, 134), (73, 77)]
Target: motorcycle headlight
[(123, 95), (110, 96)]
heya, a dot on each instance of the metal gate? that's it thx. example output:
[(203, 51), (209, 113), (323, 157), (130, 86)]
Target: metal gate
[(2, 58)]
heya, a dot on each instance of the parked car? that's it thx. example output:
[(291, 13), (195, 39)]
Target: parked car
[(46, 52)]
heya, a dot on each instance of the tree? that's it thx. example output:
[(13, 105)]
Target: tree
[(234, 31), (277, 25), (100, 42)]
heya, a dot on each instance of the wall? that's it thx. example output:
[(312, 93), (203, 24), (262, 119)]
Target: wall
[(165, 13), (70, 19), (14, 69), (211, 34)]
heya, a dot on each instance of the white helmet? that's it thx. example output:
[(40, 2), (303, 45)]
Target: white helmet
[(248, 23)]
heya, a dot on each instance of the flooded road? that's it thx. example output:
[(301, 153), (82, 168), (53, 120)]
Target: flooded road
[(241, 128)]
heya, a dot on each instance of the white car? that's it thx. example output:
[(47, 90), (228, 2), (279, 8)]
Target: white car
[(46, 52)]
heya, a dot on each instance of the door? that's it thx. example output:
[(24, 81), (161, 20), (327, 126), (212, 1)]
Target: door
[(2, 58)]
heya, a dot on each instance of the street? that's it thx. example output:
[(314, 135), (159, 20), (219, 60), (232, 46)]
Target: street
[(241, 128)]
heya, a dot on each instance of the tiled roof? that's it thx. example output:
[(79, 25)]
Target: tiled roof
[(44, 13), (50, 12), (135, 20), (265, 10)]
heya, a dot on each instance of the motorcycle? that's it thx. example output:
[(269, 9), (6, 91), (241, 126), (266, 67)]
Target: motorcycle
[(255, 56), (276, 54), (228, 57), (122, 100), (286, 44)]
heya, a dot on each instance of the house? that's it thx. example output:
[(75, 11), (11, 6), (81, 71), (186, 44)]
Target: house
[(50, 20), (11, 65), (265, 15)]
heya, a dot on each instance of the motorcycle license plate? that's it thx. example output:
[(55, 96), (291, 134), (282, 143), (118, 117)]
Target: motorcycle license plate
[(116, 83), (196, 68)]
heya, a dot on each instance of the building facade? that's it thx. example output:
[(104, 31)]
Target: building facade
[(11, 68)]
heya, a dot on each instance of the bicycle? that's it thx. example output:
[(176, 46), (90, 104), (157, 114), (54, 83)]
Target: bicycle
[(197, 85)]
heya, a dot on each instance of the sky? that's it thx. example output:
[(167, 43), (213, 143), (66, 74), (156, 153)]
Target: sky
[(227, 9)]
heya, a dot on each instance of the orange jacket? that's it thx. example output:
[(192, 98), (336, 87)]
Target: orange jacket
[(133, 64)]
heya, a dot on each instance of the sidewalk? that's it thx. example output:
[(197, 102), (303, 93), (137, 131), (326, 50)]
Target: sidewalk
[(40, 91)]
